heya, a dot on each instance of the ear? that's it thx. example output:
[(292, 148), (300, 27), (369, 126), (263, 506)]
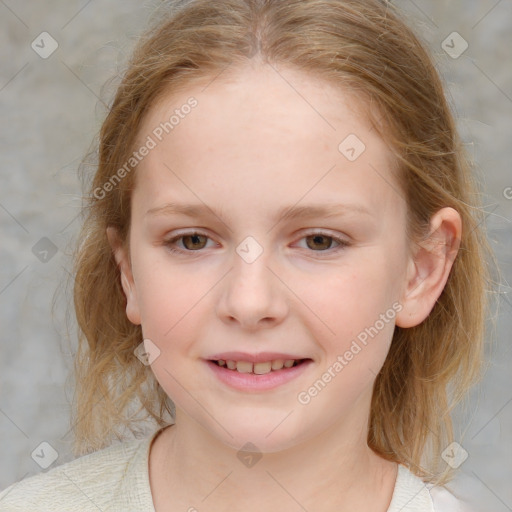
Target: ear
[(127, 282), (429, 267)]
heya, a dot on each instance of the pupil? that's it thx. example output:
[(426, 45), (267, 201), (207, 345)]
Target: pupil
[(194, 238), (318, 240)]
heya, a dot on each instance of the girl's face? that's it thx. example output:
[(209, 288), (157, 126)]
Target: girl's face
[(323, 283)]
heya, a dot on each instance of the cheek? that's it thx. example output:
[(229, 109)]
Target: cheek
[(357, 307), (358, 315), (169, 298), (349, 299)]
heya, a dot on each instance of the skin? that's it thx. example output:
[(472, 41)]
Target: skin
[(253, 145)]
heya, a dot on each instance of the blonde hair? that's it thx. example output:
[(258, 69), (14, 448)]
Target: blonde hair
[(361, 45)]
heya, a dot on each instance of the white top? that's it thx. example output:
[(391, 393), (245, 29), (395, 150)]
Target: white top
[(117, 479)]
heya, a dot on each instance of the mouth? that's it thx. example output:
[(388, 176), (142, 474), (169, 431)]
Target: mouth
[(255, 377), (260, 368)]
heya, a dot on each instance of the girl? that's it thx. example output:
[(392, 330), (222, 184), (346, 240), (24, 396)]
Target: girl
[(282, 264)]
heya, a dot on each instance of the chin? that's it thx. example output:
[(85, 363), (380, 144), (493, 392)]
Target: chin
[(267, 436)]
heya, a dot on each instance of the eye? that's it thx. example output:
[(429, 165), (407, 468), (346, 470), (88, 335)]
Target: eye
[(192, 242), (321, 242)]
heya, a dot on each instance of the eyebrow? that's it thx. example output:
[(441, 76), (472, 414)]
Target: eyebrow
[(295, 212)]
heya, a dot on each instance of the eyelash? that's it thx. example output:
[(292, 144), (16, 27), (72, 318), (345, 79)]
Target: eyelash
[(342, 243)]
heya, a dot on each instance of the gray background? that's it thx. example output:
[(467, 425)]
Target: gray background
[(50, 113)]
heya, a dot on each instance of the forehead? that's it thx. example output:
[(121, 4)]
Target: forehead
[(267, 131), (260, 98)]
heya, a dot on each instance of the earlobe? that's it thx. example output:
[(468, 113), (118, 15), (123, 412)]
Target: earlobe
[(127, 281), (429, 267)]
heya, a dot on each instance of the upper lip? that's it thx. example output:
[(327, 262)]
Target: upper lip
[(253, 358)]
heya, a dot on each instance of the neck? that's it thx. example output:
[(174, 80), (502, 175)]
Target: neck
[(335, 470)]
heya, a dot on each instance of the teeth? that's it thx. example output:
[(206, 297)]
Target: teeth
[(262, 368), (257, 368), (277, 364), (244, 367)]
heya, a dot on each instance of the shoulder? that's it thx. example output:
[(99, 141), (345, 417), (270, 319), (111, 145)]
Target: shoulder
[(92, 482), (411, 494)]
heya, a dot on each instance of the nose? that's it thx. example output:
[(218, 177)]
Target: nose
[(252, 294)]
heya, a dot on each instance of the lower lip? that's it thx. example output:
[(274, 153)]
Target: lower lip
[(253, 382)]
